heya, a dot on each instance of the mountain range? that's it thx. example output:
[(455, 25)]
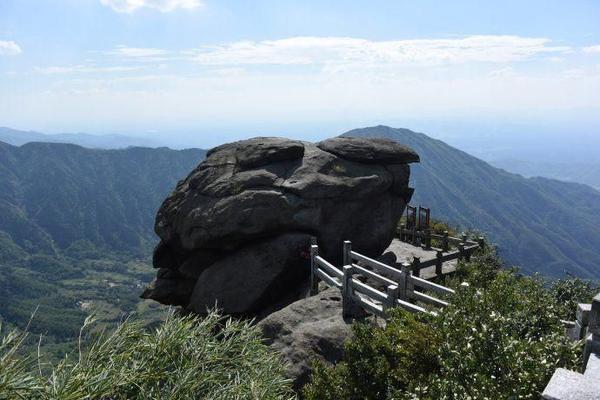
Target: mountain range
[(542, 225), (76, 224), (53, 195), (18, 138), (582, 172)]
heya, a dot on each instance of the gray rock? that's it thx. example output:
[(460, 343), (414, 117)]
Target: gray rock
[(371, 151), (168, 289), (309, 329), (242, 283), (248, 197)]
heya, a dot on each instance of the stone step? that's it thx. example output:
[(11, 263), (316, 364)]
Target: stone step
[(569, 385), (592, 369)]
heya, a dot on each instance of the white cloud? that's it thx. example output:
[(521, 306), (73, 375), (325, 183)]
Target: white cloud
[(503, 73), (592, 49), (9, 48), (84, 69), (139, 53), (130, 6), (343, 50)]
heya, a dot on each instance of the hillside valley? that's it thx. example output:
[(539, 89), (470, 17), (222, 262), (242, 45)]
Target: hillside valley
[(76, 231)]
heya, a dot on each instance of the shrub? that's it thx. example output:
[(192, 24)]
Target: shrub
[(500, 338), (570, 291), (379, 360), (184, 358)]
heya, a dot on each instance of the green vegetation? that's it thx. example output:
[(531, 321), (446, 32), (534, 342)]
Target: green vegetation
[(76, 234), (184, 358), (500, 338), (61, 197), (62, 291)]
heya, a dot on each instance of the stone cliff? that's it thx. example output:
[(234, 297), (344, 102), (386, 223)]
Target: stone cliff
[(235, 233)]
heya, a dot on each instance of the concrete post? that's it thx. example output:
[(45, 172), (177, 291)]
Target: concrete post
[(416, 265), (314, 279), (407, 287), (428, 239), (481, 242), (579, 330), (347, 291), (438, 263), (592, 343), (347, 257), (445, 242), (403, 281), (461, 247), (392, 296)]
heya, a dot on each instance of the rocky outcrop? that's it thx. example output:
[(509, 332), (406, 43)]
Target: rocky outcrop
[(307, 330), (236, 232)]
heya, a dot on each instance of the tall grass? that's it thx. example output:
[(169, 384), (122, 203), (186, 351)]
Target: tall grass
[(184, 358)]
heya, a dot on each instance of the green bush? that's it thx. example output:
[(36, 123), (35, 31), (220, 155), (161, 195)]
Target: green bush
[(500, 338), (570, 291), (184, 358), (379, 360)]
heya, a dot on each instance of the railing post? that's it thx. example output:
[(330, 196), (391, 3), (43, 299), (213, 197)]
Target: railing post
[(438, 263), (445, 242), (481, 242), (428, 239), (392, 296), (347, 291), (402, 232), (592, 342), (416, 266), (461, 247), (314, 279), (347, 256), (407, 286), (466, 254), (403, 281)]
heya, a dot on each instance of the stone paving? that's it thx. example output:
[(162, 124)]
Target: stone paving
[(404, 252)]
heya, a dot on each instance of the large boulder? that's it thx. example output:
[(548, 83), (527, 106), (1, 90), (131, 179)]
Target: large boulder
[(236, 232), (309, 329)]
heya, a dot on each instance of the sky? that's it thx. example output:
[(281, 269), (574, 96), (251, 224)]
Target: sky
[(222, 69)]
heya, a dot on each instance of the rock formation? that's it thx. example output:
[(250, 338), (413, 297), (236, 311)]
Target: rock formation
[(236, 232), (309, 329)]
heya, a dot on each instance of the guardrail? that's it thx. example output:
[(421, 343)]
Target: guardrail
[(382, 286), (465, 248)]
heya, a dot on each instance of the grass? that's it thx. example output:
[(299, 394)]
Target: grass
[(183, 358)]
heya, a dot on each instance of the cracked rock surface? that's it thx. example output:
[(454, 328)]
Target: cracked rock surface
[(236, 232)]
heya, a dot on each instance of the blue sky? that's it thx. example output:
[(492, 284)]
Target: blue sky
[(185, 66)]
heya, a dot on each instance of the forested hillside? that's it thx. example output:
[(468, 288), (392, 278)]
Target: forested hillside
[(543, 225), (76, 231), (54, 196)]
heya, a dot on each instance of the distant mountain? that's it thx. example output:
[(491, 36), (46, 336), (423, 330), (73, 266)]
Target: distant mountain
[(543, 225), (18, 138), (53, 195), (586, 173)]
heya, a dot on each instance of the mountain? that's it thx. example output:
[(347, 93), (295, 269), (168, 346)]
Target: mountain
[(586, 173), (540, 224), (18, 138), (53, 195), (76, 232)]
